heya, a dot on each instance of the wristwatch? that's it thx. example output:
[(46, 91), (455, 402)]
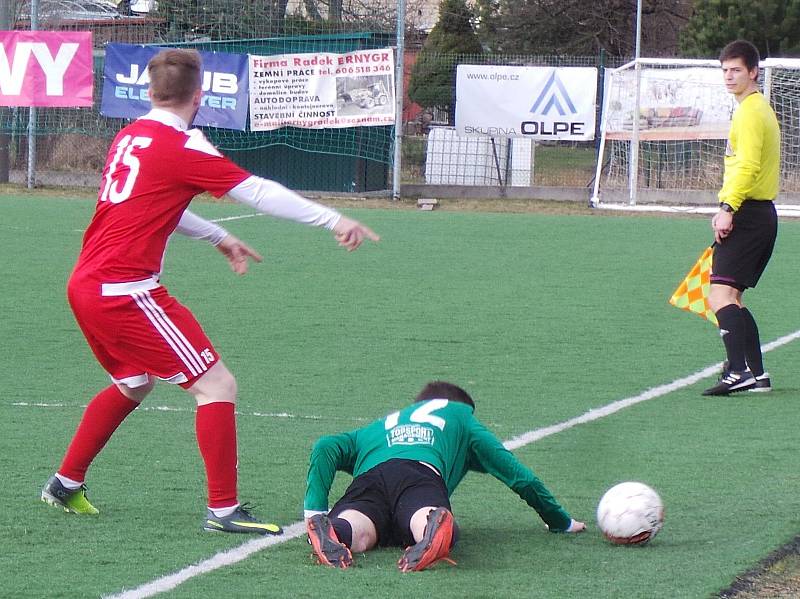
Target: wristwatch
[(726, 207)]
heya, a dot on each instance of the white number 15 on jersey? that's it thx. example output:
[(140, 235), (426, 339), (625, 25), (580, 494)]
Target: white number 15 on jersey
[(124, 154)]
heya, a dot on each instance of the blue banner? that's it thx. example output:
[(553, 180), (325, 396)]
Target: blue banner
[(225, 86)]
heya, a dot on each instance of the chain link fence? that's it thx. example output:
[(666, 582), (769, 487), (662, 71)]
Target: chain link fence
[(71, 142), (433, 154)]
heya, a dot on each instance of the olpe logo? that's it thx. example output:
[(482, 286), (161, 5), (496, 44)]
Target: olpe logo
[(554, 96)]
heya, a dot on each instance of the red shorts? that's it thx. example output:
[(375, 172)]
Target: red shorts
[(138, 329)]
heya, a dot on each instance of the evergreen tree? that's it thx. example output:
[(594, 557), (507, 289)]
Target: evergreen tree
[(452, 41), (772, 25), (578, 27)]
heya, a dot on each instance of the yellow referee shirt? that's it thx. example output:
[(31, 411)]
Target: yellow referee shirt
[(753, 154)]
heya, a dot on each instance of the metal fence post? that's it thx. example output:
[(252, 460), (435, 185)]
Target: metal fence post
[(601, 73), (32, 112), (5, 137), (634, 155), (399, 90)]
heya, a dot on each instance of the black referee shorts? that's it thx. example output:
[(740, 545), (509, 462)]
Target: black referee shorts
[(740, 259), (389, 494)]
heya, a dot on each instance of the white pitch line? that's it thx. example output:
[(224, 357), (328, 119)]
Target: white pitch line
[(287, 415), (237, 554), (225, 558), (227, 218), (607, 410), (213, 220)]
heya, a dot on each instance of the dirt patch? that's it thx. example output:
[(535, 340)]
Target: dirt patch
[(504, 205), (776, 577), (500, 205), (66, 193)]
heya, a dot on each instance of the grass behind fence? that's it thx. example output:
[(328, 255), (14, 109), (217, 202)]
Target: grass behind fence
[(541, 317), (557, 165)]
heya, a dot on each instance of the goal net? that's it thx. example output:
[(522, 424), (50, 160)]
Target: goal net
[(672, 154)]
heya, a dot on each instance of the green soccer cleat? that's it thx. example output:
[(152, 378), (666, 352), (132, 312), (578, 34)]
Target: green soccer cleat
[(72, 501), (242, 521)]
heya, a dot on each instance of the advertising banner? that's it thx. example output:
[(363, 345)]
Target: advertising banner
[(674, 104), (538, 103), (126, 83), (46, 68), (322, 90)]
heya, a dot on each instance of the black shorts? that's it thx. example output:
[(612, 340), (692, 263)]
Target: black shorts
[(740, 259), (389, 494)]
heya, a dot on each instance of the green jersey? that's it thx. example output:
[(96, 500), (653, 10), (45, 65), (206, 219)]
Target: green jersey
[(438, 432)]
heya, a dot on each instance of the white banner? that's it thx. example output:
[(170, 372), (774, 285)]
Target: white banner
[(674, 104), (322, 90), (533, 102)]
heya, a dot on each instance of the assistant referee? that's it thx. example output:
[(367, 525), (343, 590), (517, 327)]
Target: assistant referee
[(746, 225)]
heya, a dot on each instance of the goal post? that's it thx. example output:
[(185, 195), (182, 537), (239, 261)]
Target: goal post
[(678, 143)]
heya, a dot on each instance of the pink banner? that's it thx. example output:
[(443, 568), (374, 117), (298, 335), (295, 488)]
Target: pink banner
[(46, 68)]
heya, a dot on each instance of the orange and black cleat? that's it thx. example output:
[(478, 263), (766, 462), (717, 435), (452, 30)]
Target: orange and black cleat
[(327, 547), (435, 544)]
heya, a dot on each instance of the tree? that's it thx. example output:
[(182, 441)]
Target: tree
[(772, 25), (221, 19), (452, 40), (578, 27), (188, 20)]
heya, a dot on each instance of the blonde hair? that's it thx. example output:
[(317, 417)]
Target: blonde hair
[(175, 75)]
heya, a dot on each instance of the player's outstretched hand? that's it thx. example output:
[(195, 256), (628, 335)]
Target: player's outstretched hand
[(576, 526), (237, 253), (350, 233)]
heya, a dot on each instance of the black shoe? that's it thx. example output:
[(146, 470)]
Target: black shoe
[(763, 384), (732, 382), (726, 366)]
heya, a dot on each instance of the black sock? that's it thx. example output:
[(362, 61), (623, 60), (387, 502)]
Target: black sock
[(344, 532), (732, 329), (752, 344)]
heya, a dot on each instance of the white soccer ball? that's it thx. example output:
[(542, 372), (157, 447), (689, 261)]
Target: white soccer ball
[(630, 513)]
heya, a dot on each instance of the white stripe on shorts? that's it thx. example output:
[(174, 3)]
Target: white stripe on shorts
[(171, 334)]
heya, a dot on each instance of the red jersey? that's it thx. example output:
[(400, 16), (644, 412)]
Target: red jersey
[(153, 170)]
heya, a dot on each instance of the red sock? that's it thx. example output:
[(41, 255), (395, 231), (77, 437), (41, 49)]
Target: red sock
[(216, 436), (100, 419)]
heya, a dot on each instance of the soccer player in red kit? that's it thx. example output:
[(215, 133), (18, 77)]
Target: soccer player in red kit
[(136, 329)]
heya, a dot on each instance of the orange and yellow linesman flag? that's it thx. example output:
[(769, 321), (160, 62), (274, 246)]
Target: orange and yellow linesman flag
[(692, 294)]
